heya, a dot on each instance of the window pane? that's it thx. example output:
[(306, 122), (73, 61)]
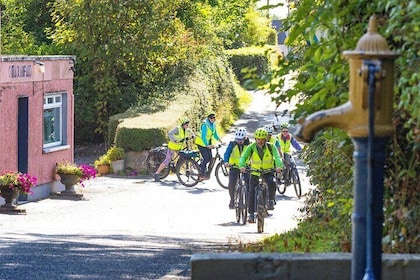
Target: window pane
[(51, 125)]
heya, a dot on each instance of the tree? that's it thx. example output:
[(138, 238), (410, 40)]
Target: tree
[(123, 49), (319, 31)]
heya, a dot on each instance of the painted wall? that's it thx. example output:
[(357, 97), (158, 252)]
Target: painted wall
[(23, 76)]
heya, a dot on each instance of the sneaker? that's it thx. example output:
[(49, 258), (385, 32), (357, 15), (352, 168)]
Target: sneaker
[(231, 204), (157, 177), (271, 204), (251, 219), (202, 178)]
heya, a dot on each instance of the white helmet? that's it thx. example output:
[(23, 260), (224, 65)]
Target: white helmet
[(269, 129), (240, 134)]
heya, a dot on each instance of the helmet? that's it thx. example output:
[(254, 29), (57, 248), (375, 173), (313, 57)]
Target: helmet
[(284, 125), (185, 121), (240, 134), (210, 113), (260, 133), (269, 129)]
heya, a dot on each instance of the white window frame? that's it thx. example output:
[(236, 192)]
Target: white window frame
[(55, 100)]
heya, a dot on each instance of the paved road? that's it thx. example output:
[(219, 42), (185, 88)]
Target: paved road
[(133, 228)]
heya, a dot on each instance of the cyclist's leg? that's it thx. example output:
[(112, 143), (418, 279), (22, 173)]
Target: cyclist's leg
[(286, 166), (269, 179), (253, 183), (206, 155), (166, 161), (233, 179)]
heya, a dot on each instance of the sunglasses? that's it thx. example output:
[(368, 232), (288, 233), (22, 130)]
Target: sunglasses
[(285, 131), (212, 118)]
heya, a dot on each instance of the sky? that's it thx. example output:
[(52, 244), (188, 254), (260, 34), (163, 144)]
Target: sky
[(278, 12)]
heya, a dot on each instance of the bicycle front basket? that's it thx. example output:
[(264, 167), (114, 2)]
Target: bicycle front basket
[(189, 154)]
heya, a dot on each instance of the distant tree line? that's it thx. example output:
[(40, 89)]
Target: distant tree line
[(127, 51)]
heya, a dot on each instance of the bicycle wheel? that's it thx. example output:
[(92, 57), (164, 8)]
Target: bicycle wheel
[(242, 204), (281, 187), (153, 160), (296, 182), (237, 203), (222, 175), (188, 172), (260, 211)]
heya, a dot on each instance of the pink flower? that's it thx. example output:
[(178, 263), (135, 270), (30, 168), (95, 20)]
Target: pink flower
[(18, 180)]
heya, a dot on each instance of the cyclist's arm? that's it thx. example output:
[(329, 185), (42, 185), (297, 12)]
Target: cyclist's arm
[(228, 151), (277, 159), (295, 144), (204, 134), (216, 135), (172, 133), (190, 133), (245, 157)]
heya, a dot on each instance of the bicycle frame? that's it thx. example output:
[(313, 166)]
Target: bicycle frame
[(221, 172), (213, 160), (261, 198), (158, 154), (241, 199), (290, 176)]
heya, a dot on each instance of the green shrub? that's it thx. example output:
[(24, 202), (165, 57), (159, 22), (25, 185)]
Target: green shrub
[(253, 62), (272, 38), (139, 139), (102, 160), (210, 86), (115, 153)]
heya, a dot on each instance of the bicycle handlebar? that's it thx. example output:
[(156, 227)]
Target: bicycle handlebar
[(218, 146), (262, 171), (185, 139)]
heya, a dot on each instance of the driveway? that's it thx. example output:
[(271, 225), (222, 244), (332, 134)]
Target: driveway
[(134, 228)]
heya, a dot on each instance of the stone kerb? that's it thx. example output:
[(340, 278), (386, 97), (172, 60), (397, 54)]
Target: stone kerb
[(244, 266)]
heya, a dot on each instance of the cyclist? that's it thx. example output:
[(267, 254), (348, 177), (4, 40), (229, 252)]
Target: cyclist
[(205, 141), (276, 122), (273, 140), (176, 143), (286, 140), (265, 156), (231, 158)]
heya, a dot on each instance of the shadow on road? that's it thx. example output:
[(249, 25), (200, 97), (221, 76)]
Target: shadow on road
[(96, 256)]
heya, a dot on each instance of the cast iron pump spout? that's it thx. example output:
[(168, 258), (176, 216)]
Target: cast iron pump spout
[(338, 117)]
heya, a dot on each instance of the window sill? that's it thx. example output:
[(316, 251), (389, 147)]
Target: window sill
[(55, 149)]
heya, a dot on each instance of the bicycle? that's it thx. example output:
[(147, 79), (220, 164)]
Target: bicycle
[(221, 172), (261, 197), (183, 164), (290, 176), (241, 198)]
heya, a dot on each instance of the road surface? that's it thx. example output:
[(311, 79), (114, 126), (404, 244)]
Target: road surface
[(133, 227)]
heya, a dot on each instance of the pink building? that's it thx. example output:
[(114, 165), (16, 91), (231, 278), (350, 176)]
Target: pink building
[(36, 118)]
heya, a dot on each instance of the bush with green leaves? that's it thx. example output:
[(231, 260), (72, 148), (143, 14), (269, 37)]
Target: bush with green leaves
[(319, 32)]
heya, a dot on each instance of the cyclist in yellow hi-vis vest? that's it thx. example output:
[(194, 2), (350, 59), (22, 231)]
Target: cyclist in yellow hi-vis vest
[(205, 141), (273, 139), (286, 141), (231, 158), (177, 137), (263, 156)]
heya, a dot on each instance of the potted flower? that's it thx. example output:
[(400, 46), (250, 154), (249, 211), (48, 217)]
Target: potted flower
[(116, 156), (13, 182), (72, 174), (103, 165)]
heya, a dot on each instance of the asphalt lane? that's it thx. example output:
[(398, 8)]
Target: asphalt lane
[(134, 228)]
